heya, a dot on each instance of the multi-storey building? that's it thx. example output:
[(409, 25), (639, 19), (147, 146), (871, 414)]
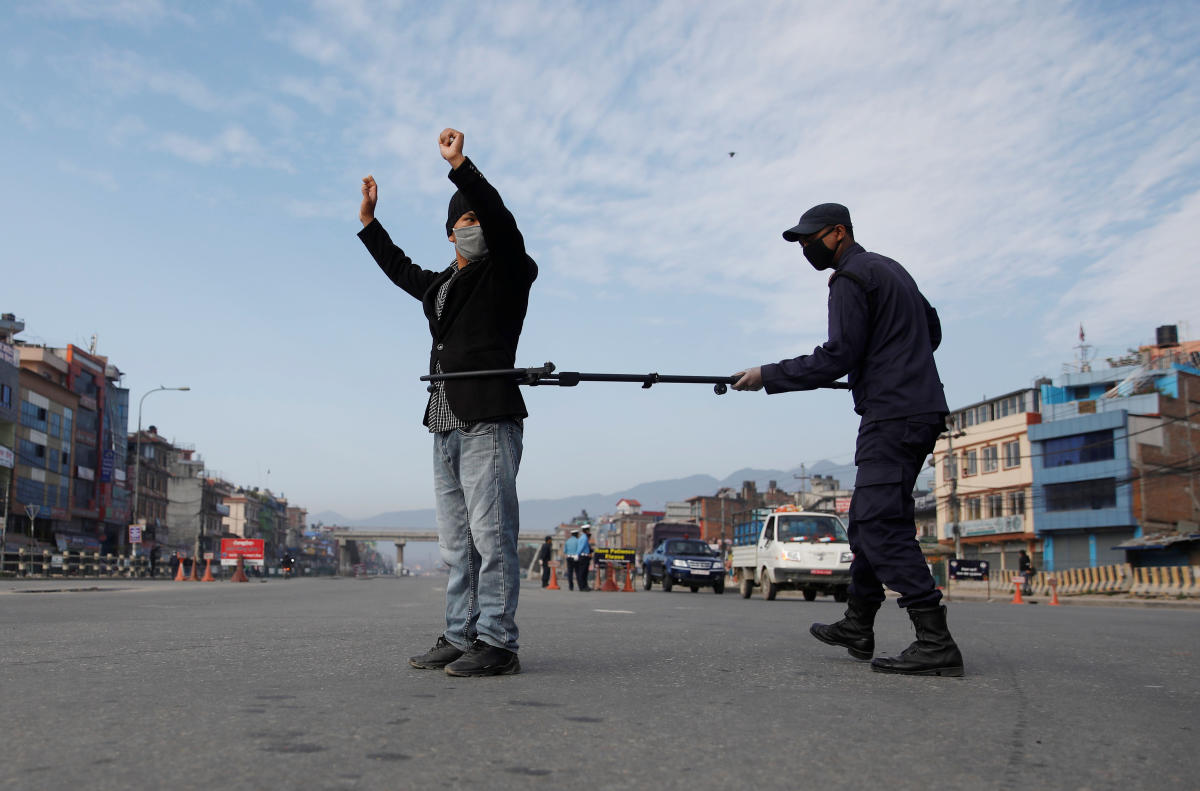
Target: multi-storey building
[(98, 434), (41, 501), (151, 476), (10, 384), (243, 518), (984, 478), (297, 523), (1115, 457)]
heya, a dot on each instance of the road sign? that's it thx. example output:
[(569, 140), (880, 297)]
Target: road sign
[(968, 569), (841, 505), (33, 510), (135, 534)]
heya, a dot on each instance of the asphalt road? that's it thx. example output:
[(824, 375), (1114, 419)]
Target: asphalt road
[(304, 684)]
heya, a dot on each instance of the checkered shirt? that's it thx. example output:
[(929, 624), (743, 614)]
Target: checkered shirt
[(438, 413)]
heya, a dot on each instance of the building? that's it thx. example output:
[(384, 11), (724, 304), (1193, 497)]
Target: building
[(151, 474), (242, 521), (714, 515), (10, 385), (824, 493), (97, 503), (984, 479), (195, 504), (41, 499), (1115, 457), (297, 523)]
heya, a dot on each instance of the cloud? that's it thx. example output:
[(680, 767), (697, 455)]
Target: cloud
[(1148, 279), (101, 178), (233, 145), (969, 143), (138, 13)]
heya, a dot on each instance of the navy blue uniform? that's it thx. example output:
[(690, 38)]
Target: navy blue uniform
[(882, 335)]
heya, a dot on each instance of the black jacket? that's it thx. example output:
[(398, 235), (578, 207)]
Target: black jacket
[(485, 309), (882, 332)]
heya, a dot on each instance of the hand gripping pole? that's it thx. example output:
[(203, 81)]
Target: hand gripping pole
[(549, 375)]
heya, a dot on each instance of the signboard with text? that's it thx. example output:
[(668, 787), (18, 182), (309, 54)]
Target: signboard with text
[(841, 505), (135, 534), (968, 569), (251, 549), (604, 555)]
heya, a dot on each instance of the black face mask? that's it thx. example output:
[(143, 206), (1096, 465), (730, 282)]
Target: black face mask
[(820, 256)]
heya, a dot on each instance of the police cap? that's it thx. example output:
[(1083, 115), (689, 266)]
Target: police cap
[(816, 218)]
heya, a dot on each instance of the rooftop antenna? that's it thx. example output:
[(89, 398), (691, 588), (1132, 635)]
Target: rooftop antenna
[(1085, 353)]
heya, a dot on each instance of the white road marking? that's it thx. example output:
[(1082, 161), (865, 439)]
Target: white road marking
[(623, 612)]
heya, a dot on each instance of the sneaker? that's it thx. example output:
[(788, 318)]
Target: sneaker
[(442, 654), (485, 660)]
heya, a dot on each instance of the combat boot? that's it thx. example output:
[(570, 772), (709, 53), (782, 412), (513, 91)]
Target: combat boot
[(855, 632), (933, 653)]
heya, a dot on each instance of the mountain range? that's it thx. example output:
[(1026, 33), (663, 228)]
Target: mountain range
[(546, 514)]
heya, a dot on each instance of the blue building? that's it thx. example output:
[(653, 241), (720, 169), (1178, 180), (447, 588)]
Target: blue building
[(1106, 468)]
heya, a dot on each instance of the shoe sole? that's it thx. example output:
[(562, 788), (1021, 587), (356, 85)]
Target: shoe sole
[(429, 665), (950, 672), (510, 669), (857, 653)]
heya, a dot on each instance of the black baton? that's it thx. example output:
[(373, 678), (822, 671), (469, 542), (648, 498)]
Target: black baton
[(548, 375)]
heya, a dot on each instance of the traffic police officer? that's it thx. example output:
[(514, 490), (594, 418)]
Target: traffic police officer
[(882, 333)]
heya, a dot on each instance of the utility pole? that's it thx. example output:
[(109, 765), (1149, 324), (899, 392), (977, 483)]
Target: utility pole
[(803, 478), (953, 465)]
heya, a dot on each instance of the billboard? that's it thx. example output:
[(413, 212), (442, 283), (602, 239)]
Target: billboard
[(251, 549)]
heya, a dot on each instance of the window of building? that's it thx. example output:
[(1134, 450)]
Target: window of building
[(995, 503), (33, 416), (88, 421), (1012, 454), (6, 396), (1016, 503), (1078, 449), (55, 425), (991, 458), (1082, 495), (972, 508), (971, 462)]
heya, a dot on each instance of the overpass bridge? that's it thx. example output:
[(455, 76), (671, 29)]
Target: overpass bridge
[(400, 536)]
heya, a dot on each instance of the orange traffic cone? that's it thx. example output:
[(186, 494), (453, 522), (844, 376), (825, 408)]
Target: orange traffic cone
[(208, 577), (179, 572), (610, 580), (553, 586), (1054, 602), (628, 579), (195, 575), (239, 574), (1017, 592)]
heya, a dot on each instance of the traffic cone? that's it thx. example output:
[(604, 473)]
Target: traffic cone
[(610, 580), (239, 574), (179, 572), (553, 586), (195, 575), (208, 577), (1054, 602), (628, 579), (1017, 594)]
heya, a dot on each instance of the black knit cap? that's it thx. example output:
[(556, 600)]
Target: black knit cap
[(458, 207)]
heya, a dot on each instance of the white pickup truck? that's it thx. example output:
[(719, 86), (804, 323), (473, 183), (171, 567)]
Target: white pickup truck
[(792, 550)]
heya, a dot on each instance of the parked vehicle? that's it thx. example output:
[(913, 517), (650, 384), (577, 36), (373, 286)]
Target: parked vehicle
[(789, 549), (684, 561)]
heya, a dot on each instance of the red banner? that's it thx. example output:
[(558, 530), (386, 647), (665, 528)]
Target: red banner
[(249, 548)]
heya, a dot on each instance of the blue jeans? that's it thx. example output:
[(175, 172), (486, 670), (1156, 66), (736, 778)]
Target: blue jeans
[(475, 482)]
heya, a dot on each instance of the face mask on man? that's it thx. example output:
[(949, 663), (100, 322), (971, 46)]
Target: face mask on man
[(820, 256), (470, 243)]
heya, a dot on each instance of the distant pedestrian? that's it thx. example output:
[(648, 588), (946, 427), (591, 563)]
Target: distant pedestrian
[(583, 565), (154, 553), (475, 308), (544, 556), (1027, 571), (882, 334), (571, 550)]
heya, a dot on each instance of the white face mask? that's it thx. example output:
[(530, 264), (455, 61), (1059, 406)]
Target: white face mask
[(470, 243)]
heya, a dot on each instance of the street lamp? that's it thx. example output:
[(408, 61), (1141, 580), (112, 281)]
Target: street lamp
[(137, 457)]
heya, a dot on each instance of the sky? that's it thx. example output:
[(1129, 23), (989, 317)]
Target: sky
[(181, 180)]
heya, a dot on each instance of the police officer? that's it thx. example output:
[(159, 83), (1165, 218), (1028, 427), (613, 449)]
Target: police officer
[(882, 333)]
